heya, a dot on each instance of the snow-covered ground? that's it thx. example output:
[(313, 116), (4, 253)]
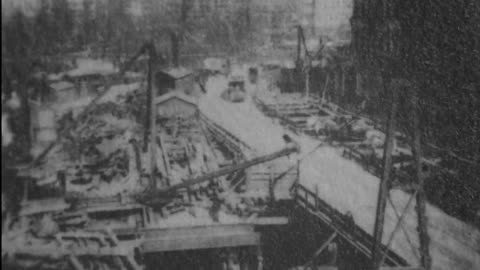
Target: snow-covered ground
[(346, 186)]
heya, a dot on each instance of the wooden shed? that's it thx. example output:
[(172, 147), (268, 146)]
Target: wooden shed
[(63, 91), (176, 104), (178, 79)]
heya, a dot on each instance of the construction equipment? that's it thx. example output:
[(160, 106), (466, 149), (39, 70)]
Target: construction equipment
[(236, 90), (168, 192)]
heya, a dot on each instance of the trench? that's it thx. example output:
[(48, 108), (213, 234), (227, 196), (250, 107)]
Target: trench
[(283, 247)]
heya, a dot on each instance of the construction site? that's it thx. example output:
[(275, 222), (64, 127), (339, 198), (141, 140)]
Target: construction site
[(155, 160)]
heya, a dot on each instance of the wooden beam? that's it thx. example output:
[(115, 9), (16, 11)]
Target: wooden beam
[(150, 100), (246, 226), (133, 263), (212, 175), (270, 221), (119, 263), (166, 161), (200, 239), (49, 252), (152, 117), (400, 268), (322, 248), (75, 262)]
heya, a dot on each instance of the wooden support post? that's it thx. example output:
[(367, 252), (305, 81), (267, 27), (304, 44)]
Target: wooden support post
[(244, 263), (189, 194), (358, 84), (336, 80), (298, 172), (325, 89), (145, 217), (271, 187), (26, 184), (136, 150), (119, 263), (112, 237), (297, 182), (75, 262), (259, 258), (383, 191), (133, 264), (166, 160), (307, 82), (153, 145), (63, 181), (149, 103), (426, 260), (299, 44)]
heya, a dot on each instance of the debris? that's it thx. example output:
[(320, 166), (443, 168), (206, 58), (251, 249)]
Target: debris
[(46, 227)]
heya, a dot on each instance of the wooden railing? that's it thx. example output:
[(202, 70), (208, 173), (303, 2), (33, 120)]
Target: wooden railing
[(289, 124), (342, 224), (225, 137)]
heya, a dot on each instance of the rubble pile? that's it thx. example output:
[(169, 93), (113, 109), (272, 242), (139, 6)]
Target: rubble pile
[(93, 153)]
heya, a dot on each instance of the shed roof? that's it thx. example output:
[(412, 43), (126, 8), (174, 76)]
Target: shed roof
[(175, 95), (214, 63), (177, 73), (53, 77), (92, 67), (61, 85)]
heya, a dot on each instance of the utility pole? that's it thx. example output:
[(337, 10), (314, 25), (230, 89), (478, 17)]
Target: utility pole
[(384, 187), (394, 81), (426, 260)]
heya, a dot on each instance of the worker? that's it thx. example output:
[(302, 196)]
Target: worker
[(349, 221), (332, 251), (290, 143), (215, 208), (233, 262)]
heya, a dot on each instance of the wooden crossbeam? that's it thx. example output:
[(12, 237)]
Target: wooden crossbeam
[(322, 248), (199, 237), (79, 251), (75, 262), (360, 239), (400, 268), (201, 242)]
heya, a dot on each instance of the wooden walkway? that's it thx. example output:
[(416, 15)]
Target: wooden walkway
[(341, 224)]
